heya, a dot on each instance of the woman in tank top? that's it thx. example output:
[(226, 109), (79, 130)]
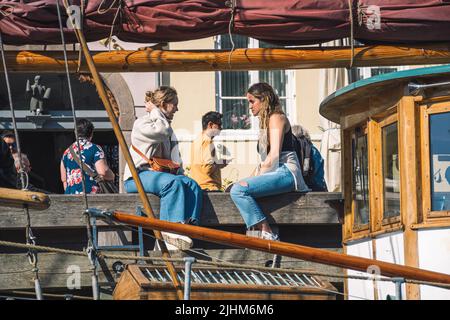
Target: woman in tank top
[(279, 169)]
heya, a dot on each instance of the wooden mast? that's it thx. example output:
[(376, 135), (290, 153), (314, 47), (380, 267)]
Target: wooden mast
[(241, 59), (283, 248)]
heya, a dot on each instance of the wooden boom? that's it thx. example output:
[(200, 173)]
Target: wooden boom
[(19, 198), (283, 248), (241, 59)]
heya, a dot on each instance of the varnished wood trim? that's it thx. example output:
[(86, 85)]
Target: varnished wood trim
[(409, 173), (373, 235), (347, 175), (438, 214), (390, 119), (431, 225), (391, 229), (375, 175), (374, 281), (424, 113)]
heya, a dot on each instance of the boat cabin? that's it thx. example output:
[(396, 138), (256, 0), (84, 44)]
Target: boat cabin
[(396, 174)]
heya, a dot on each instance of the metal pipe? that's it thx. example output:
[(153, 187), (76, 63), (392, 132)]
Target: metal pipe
[(95, 291), (415, 89), (398, 287), (38, 289), (187, 277)]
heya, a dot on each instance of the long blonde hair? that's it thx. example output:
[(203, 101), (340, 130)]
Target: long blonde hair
[(161, 96), (270, 104)]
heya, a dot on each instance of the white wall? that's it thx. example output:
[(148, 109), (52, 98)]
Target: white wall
[(390, 248), (434, 255), (360, 289)]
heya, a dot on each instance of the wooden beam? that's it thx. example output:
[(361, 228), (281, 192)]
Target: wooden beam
[(20, 198), (66, 211), (241, 59), (409, 186), (283, 248)]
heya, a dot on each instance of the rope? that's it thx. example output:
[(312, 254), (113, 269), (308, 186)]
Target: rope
[(91, 252), (72, 104), (224, 263), (232, 5), (30, 238), (350, 8), (211, 263), (100, 12), (8, 11), (21, 172), (51, 295)]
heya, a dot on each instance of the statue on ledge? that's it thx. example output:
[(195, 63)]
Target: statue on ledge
[(39, 93)]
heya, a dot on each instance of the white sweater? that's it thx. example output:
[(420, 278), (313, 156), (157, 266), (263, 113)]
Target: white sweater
[(154, 137)]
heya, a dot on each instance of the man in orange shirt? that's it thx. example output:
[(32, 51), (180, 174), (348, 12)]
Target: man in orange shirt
[(205, 167)]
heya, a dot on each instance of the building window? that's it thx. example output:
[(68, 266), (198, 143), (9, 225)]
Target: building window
[(391, 172), (440, 161), (360, 180), (232, 85), (367, 72)]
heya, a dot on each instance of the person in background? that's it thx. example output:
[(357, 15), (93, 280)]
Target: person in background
[(205, 166), (91, 154), (311, 160), (10, 139), (151, 137), (8, 175), (279, 171)]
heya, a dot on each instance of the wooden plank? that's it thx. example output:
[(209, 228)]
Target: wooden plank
[(347, 175), (220, 60), (19, 198), (218, 209), (15, 270), (375, 175), (409, 183), (217, 291)]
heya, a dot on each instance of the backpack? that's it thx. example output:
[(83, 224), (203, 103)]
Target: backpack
[(311, 163)]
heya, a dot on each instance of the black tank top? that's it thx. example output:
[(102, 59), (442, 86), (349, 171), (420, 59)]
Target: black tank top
[(287, 142)]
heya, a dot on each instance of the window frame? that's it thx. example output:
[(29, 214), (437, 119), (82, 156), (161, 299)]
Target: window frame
[(360, 229), (377, 224), (426, 110), (253, 131)]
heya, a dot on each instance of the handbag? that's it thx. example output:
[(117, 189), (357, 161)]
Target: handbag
[(159, 164), (104, 185)]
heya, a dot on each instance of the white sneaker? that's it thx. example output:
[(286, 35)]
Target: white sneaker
[(179, 241), (169, 247), (269, 236)]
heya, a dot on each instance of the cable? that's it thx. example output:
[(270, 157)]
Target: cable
[(21, 172)]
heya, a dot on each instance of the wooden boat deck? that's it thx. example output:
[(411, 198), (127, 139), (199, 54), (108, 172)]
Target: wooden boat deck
[(312, 219)]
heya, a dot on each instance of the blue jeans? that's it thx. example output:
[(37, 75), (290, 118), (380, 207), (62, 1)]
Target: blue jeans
[(181, 197), (271, 183)]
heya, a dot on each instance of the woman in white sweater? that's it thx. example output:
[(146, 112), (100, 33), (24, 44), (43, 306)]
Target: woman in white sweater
[(181, 197)]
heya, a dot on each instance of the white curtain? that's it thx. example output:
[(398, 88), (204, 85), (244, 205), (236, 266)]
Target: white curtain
[(331, 80)]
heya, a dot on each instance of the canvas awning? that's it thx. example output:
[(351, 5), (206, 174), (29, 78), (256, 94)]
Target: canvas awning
[(281, 21)]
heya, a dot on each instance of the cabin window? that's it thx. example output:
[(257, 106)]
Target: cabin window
[(440, 161), (232, 85), (391, 172), (360, 180)]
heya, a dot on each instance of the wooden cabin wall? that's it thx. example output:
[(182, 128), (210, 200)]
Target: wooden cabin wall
[(408, 240)]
